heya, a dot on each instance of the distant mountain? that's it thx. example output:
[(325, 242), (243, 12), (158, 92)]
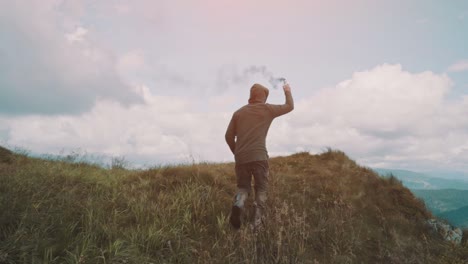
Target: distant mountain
[(445, 198), (416, 180), (441, 201), (448, 174), (458, 217)]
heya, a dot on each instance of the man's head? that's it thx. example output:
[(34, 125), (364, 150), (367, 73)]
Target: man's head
[(258, 94)]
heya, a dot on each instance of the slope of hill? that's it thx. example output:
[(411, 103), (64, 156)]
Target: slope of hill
[(5, 155), (439, 201), (416, 180), (322, 209), (458, 217)]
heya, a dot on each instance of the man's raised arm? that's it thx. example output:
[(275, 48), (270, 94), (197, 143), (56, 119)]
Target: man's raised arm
[(285, 108)]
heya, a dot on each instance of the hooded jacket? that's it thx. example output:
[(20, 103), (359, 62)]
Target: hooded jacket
[(249, 125), (258, 94)]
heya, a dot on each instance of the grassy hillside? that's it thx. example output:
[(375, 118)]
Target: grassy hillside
[(322, 209)]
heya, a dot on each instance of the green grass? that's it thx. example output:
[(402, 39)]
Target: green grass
[(321, 209)]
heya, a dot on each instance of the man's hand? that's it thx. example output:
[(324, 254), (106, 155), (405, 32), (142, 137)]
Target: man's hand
[(286, 88)]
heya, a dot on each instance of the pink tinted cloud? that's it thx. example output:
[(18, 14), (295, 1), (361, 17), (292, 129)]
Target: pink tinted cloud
[(459, 66)]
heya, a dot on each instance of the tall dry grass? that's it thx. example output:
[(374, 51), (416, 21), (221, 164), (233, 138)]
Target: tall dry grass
[(321, 209)]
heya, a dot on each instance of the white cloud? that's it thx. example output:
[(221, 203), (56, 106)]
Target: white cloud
[(77, 36), (459, 66), (383, 101), (382, 117), (164, 129), (49, 67)]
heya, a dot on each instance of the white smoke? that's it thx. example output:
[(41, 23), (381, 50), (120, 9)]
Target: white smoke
[(231, 75)]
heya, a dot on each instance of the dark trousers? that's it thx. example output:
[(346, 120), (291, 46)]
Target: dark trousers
[(259, 171), (256, 169)]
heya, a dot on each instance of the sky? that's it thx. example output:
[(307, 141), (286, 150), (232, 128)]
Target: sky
[(157, 81)]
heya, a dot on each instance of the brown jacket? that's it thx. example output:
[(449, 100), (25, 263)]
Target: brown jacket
[(247, 131)]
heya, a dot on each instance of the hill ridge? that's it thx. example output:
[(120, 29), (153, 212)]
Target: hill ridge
[(322, 208)]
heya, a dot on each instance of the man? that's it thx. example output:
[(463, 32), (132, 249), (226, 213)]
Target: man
[(246, 136)]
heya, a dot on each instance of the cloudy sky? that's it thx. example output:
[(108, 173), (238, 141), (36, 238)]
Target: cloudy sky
[(157, 81)]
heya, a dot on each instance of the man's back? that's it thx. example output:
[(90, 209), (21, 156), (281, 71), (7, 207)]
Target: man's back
[(247, 131)]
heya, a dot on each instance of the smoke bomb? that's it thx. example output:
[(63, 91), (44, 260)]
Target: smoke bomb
[(277, 81)]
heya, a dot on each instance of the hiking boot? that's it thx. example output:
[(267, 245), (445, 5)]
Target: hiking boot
[(258, 218), (235, 217)]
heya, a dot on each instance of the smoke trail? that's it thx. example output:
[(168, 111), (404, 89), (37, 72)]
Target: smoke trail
[(231, 75), (252, 70)]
